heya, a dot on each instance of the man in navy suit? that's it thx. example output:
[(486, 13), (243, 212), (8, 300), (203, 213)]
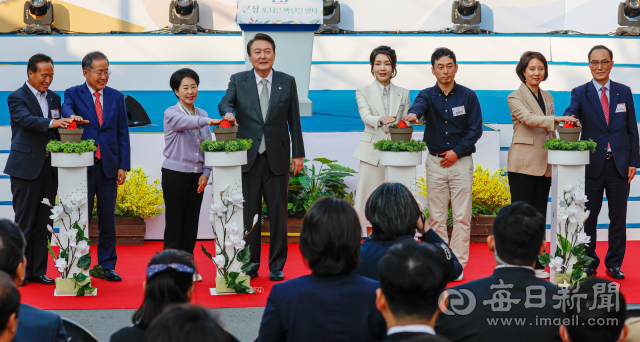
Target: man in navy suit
[(107, 125), (608, 117), (33, 324), (511, 304), (35, 118)]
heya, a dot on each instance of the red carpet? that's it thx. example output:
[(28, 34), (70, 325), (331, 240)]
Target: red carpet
[(132, 261)]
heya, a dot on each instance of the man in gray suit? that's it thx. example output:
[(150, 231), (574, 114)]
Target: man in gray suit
[(265, 104)]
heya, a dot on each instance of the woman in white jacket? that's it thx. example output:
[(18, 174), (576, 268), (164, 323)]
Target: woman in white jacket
[(380, 104)]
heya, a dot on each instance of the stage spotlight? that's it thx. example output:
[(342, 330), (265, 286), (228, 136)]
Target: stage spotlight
[(331, 16), (184, 16), (466, 14), (38, 16), (629, 16)]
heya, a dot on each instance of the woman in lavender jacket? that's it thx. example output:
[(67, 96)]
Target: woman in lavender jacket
[(184, 175)]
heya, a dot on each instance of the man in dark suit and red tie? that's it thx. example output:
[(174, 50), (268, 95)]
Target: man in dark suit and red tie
[(265, 103), (107, 125), (35, 117), (608, 117)]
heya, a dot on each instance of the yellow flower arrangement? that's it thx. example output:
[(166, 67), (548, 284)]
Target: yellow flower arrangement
[(138, 198), (489, 192)]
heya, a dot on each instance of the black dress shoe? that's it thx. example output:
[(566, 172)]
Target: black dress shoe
[(615, 273), (111, 275), (43, 279), (590, 272), (276, 275), (23, 283)]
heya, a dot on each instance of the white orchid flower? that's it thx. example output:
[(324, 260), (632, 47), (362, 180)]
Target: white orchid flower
[(71, 234), (226, 187), (78, 201), (580, 199), (83, 223), (570, 189), (584, 238), (556, 263), (46, 201), (61, 264), (56, 212), (236, 199), (218, 209), (255, 220), (571, 213), (218, 260), (212, 219), (82, 247), (233, 229), (49, 228), (236, 241)]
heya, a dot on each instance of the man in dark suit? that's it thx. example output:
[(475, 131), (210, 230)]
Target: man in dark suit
[(512, 303), (412, 278), (608, 117), (35, 118), (265, 103), (107, 125), (33, 324)]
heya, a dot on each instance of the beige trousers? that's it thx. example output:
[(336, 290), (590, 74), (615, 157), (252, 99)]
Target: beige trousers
[(452, 183), (369, 179)]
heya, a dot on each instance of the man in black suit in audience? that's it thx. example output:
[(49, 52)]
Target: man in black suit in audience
[(412, 278), (512, 303), (34, 325), (9, 308)]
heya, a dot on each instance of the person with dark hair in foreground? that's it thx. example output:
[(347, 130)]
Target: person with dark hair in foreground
[(169, 281), (184, 175), (9, 308), (484, 309), (34, 324), (411, 282), (599, 314), (331, 304), (185, 323), (394, 215)]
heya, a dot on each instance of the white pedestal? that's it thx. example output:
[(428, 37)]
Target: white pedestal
[(72, 182), (401, 168), (567, 170), (226, 169)]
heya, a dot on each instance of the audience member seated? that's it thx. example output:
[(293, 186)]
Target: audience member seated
[(411, 282), (34, 325), (395, 215), (185, 323), (9, 308), (331, 304), (597, 313), (169, 281), (512, 302)]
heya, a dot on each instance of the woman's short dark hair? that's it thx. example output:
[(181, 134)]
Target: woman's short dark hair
[(32, 65), (261, 36), (87, 61), (330, 237), (166, 287), (524, 62), (392, 211), (389, 52), (179, 75), (188, 323)]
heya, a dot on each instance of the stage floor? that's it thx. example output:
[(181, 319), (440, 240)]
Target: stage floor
[(132, 261)]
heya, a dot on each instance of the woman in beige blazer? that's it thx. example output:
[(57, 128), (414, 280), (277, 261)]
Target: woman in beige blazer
[(534, 121), (380, 104)]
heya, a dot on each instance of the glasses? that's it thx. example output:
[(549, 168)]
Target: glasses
[(596, 64), (100, 74)]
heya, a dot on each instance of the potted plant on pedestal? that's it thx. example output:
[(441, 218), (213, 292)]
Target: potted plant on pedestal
[(570, 256), (71, 133), (400, 131), (225, 131)]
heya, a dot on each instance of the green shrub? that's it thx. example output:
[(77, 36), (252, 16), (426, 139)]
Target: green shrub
[(226, 146), (559, 145), (400, 146), (55, 146)]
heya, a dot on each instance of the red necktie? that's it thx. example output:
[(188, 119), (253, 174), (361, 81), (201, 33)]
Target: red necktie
[(99, 113), (604, 101)]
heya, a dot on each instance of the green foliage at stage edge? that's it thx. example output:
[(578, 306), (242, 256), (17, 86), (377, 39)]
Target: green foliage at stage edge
[(56, 146), (400, 146), (560, 145), (226, 146)]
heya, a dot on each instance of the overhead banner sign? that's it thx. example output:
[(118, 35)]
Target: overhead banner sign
[(281, 12)]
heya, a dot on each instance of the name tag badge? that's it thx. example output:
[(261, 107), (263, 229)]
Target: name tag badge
[(55, 114), (621, 108), (458, 111)]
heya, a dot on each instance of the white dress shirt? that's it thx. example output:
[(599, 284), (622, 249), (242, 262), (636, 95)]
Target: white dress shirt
[(259, 82), (91, 91), (42, 100), (607, 92), (415, 328)]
